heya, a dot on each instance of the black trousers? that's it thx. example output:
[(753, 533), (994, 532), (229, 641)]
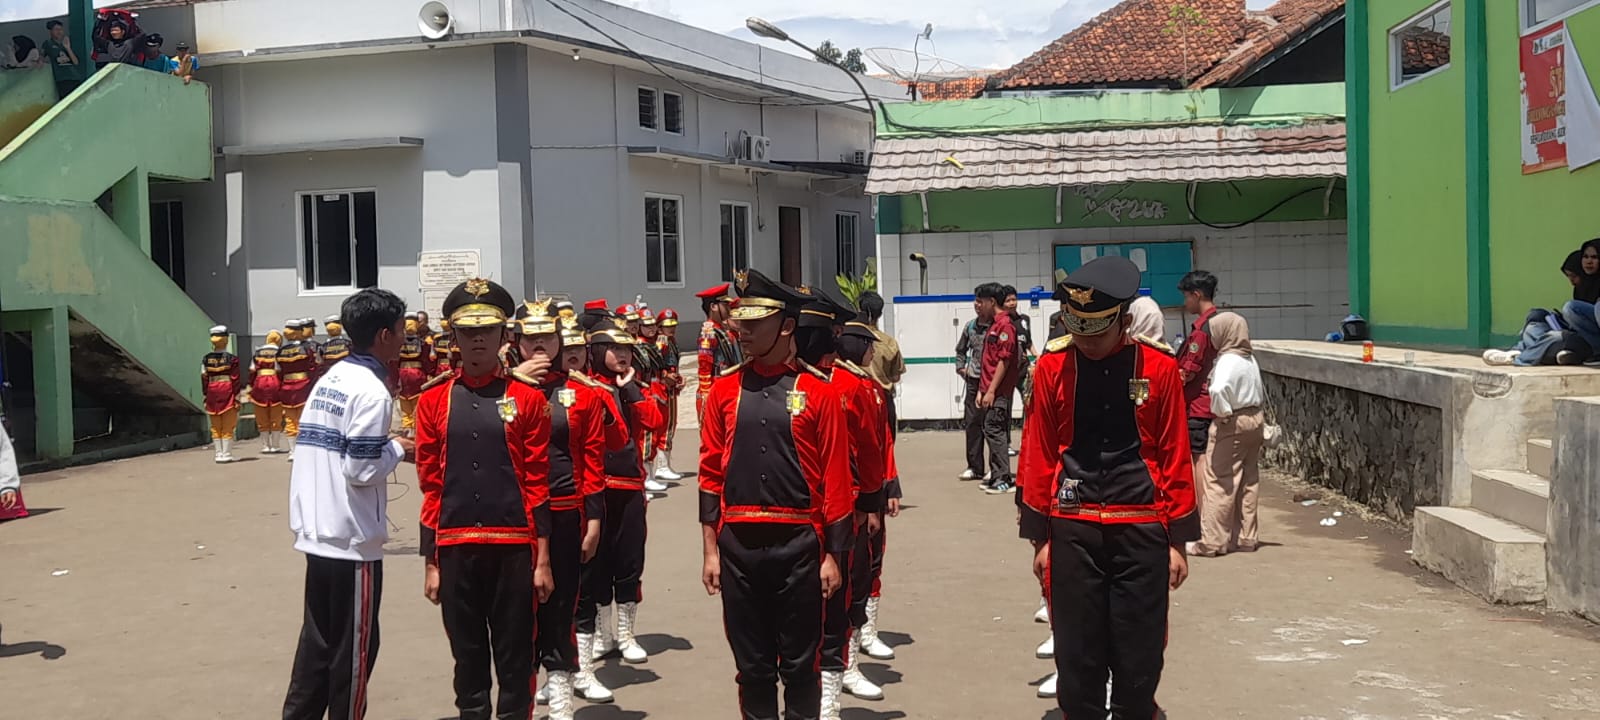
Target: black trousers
[(338, 640), (879, 543), (556, 643), (1108, 602), (617, 571), (836, 620), (772, 613), (486, 596), (990, 427), (858, 576)]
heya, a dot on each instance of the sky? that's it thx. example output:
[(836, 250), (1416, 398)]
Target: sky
[(972, 33)]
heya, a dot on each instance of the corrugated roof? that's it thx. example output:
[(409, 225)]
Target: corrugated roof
[(1197, 153)]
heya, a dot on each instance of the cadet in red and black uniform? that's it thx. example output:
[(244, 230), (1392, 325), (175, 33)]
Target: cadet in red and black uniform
[(1107, 495), (577, 450), (219, 378), (337, 347), (667, 345), (264, 394), (617, 571), (718, 348), (296, 364), (415, 370), (483, 468), (857, 347), (775, 504)]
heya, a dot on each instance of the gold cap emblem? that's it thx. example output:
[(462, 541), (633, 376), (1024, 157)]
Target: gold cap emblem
[(741, 279), (478, 287), (1081, 296)]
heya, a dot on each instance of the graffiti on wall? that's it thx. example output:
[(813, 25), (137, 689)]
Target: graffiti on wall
[(1110, 201)]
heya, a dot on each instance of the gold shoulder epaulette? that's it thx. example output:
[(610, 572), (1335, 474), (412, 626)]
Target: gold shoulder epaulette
[(584, 379), (854, 369), (441, 377), (733, 370), (1058, 344), (1154, 342), (519, 377), (814, 370)]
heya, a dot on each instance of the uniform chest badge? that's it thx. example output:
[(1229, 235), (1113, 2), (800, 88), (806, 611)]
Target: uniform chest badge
[(567, 397), (795, 402), (1139, 390), (508, 409), (1194, 347)]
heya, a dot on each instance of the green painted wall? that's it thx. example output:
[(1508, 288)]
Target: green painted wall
[(1417, 161), (1135, 205), (24, 96), (1535, 220)]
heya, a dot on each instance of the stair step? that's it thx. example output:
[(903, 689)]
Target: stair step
[(1495, 559), (1542, 458), (1522, 498)]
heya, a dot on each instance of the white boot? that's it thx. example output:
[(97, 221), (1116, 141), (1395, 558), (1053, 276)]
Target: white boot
[(627, 617), (832, 683), (543, 696), (1047, 689), (870, 644), (585, 683), (558, 688), (664, 469), (227, 451), (857, 684), (651, 484), (1043, 614), (605, 639), (1046, 649), (216, 450), (277, 442)]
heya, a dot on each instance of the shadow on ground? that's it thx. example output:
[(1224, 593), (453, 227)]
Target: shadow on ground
[(858, 713), (657, 643)]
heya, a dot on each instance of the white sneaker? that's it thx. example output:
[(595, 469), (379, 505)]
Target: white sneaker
[(1047, 689), (857, 684), (1043, 614), (1499, 357), (1046, 649), (967, 474), (627, 617), (653, 485)]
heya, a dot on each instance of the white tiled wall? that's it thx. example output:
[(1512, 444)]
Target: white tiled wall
[(1290, 280)]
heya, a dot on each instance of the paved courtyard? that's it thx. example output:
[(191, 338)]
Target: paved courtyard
[(166, 587)]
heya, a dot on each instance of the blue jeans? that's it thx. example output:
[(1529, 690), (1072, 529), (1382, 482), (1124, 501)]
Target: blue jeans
[(1580, 316), (1537, 339)]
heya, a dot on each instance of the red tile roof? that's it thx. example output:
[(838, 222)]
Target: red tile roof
[(1131, 45), (1423, 50), (1292, 19)]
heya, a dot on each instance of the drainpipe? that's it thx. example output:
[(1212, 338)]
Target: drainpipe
[(922, 263)]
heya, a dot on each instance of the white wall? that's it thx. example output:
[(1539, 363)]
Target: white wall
[(1290, 280)]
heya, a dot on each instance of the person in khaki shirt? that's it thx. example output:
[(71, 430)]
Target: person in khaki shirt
[(887, 366)]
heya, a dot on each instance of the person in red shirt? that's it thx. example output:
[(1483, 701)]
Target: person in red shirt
[(1195, 360), (483, 467), (1000, 367), (776, 503), (1107, 496)]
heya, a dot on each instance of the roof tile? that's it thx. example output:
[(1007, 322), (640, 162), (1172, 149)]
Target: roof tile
[(1293, 18)]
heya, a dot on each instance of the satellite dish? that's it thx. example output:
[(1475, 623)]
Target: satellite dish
[(912, 66)]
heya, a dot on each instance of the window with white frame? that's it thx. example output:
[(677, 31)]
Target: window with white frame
[(663, 241), (672, 112), (846, 227), (735, 238), (647, 108), (1420, 47), (1539, 12), (338, 239)]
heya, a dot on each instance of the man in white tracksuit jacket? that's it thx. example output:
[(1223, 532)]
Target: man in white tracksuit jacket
[(338, 510)]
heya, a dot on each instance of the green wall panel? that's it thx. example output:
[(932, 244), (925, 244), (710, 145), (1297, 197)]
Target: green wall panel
[(1418, 245)]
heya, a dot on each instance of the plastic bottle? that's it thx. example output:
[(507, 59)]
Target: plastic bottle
[(1366, 351)]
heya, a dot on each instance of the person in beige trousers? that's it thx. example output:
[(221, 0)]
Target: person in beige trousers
[(1228, 515)]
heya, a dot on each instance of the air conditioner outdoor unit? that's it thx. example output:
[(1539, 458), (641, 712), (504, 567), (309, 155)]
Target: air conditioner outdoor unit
[(854, 157), (757, 147)]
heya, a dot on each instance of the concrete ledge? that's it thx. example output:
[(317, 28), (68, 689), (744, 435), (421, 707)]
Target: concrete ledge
[(1520, 497), (1574, 532), (1497, 560), (1541, 458)]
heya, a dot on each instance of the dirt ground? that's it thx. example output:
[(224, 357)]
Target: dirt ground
[(166, 587)]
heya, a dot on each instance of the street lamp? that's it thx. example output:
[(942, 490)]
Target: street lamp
[(765, 29)]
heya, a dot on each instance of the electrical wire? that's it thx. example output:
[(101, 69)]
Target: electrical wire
[(1189, 202), (697, 88)]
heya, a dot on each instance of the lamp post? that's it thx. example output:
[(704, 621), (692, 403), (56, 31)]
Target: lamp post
[(765, 29)]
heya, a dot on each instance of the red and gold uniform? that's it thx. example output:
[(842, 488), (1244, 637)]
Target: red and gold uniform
[(265, 394), (338, 347), (219, 381), (413, 370), (1106, 484), (483, 469), (667, 346), (718, 347), (775, 489), (296, 365)]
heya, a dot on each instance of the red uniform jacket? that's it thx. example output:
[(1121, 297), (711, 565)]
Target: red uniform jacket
[(219, 379), (264, 376), (1196, 357), (295, 367), (1153, 483), (624, 466), (774, 449), (866, 420), (483, 462), (416, 367), (578, 420)]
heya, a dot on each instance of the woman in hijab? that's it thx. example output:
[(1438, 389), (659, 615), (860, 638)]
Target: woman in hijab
[(1147, 320), (1579, 313), (1228, 514), (1545, 341), (23, 54)]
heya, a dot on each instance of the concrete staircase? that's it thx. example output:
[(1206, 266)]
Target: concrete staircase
[(1496, 546)]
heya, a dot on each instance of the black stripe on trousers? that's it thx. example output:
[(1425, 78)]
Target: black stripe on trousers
[(1108, 603), (338, 640), (772, 613)]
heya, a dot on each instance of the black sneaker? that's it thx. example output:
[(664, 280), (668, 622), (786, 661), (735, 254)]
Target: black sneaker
[(1568, 357), (1001, 488)]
